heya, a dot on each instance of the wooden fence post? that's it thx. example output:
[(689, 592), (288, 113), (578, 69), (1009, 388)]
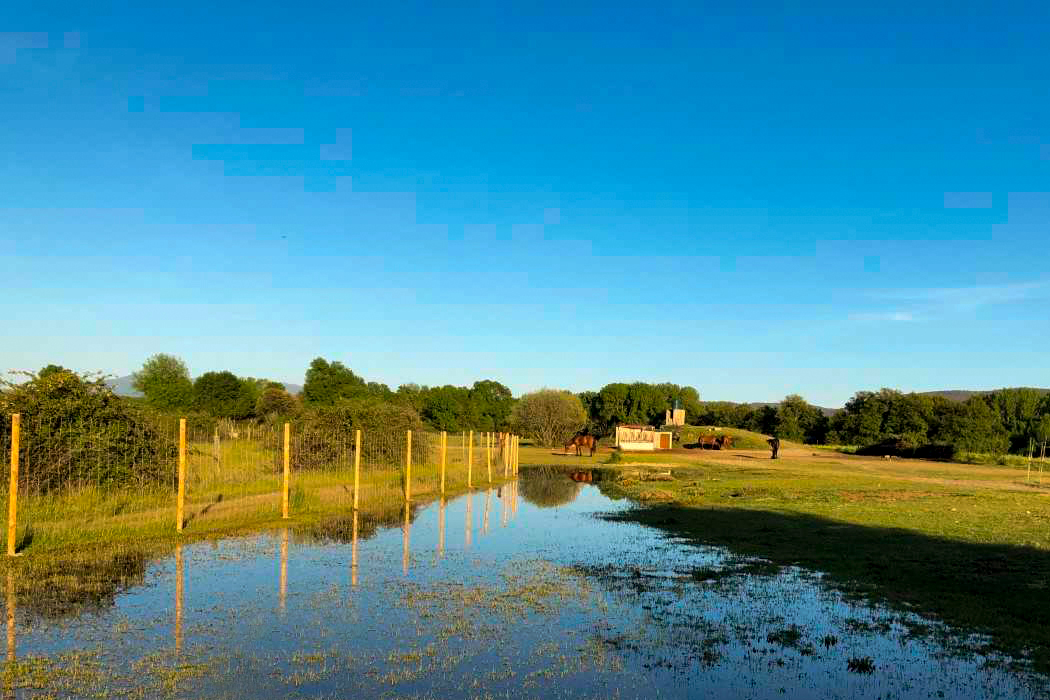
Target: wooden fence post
[(444, 451), (12, 492), (287, 469), (180, 502), (488, 455), (408, 466), (470, 458), (357, 472)]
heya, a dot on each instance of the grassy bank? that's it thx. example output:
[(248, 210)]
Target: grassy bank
[(968, 545)]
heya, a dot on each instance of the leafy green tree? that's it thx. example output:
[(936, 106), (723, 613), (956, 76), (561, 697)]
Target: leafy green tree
[(275, 401), (449, 408), (800, 421), (224, 395), (329, 382), (412, 395), (48, 370), (165, 382), (548, 416), (1042, 429), (491, 404)]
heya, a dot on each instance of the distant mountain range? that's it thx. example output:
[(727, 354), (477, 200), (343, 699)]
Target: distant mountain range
[(121, 386)]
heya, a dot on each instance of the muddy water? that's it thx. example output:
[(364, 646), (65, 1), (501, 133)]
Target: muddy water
[(524, 591)]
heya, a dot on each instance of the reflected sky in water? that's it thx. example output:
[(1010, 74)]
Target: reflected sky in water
[(519, 590)]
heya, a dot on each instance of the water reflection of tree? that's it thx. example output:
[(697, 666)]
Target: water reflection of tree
[(548, 489)]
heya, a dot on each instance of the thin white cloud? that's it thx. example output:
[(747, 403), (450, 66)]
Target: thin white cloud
[(883, 316), (967, 298)]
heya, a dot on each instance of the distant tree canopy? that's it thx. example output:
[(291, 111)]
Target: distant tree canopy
[(165, 382), (647, 404), (274, 401), (484, 406), (799, 421), (329, 382), (1008, 420), (549, 416), (224, 395)]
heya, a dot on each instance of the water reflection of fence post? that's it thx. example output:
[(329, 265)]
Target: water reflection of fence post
[(353, 550), (357, 481), (282, 586), (12, 602), (408, 466), (441, 527), (12, 491), (179, 593), (504, 493), (406, 531), (180, 499), (470, 458), (444, 451), (287, 469), (469, 519), (488, 507)]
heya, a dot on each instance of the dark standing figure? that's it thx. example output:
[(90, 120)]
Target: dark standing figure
[(774, 444)]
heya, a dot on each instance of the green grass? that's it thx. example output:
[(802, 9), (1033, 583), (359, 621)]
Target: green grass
[(969, 545)]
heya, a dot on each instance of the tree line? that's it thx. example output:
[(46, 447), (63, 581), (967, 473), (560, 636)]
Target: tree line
[(165, 384), (333, 395), (997, 422)]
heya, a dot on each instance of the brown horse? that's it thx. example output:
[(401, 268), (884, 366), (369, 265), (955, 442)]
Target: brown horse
[(580, 442), (717, 442)]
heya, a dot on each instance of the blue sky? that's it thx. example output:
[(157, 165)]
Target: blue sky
[(756, 201)]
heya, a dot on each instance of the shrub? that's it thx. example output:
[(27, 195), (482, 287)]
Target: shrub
[(75, 430)]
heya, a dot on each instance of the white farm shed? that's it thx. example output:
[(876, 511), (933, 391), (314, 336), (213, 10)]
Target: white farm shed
[(642, 438)]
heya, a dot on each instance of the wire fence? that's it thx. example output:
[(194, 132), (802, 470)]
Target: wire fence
[(80, 481)]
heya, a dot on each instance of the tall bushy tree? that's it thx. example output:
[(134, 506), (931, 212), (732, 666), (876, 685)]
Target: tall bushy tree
[(449, 408), (492, 403), (224, 395), (165, 382), (275, 401), (548, 416), (799, 421), (329, 382)]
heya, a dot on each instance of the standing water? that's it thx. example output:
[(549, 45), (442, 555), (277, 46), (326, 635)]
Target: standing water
[(523, 591)]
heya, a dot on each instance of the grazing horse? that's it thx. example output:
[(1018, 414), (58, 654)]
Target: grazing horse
[(717, 442), (580, 442)]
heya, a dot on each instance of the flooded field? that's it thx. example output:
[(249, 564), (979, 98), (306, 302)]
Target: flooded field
[(524, 591)]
